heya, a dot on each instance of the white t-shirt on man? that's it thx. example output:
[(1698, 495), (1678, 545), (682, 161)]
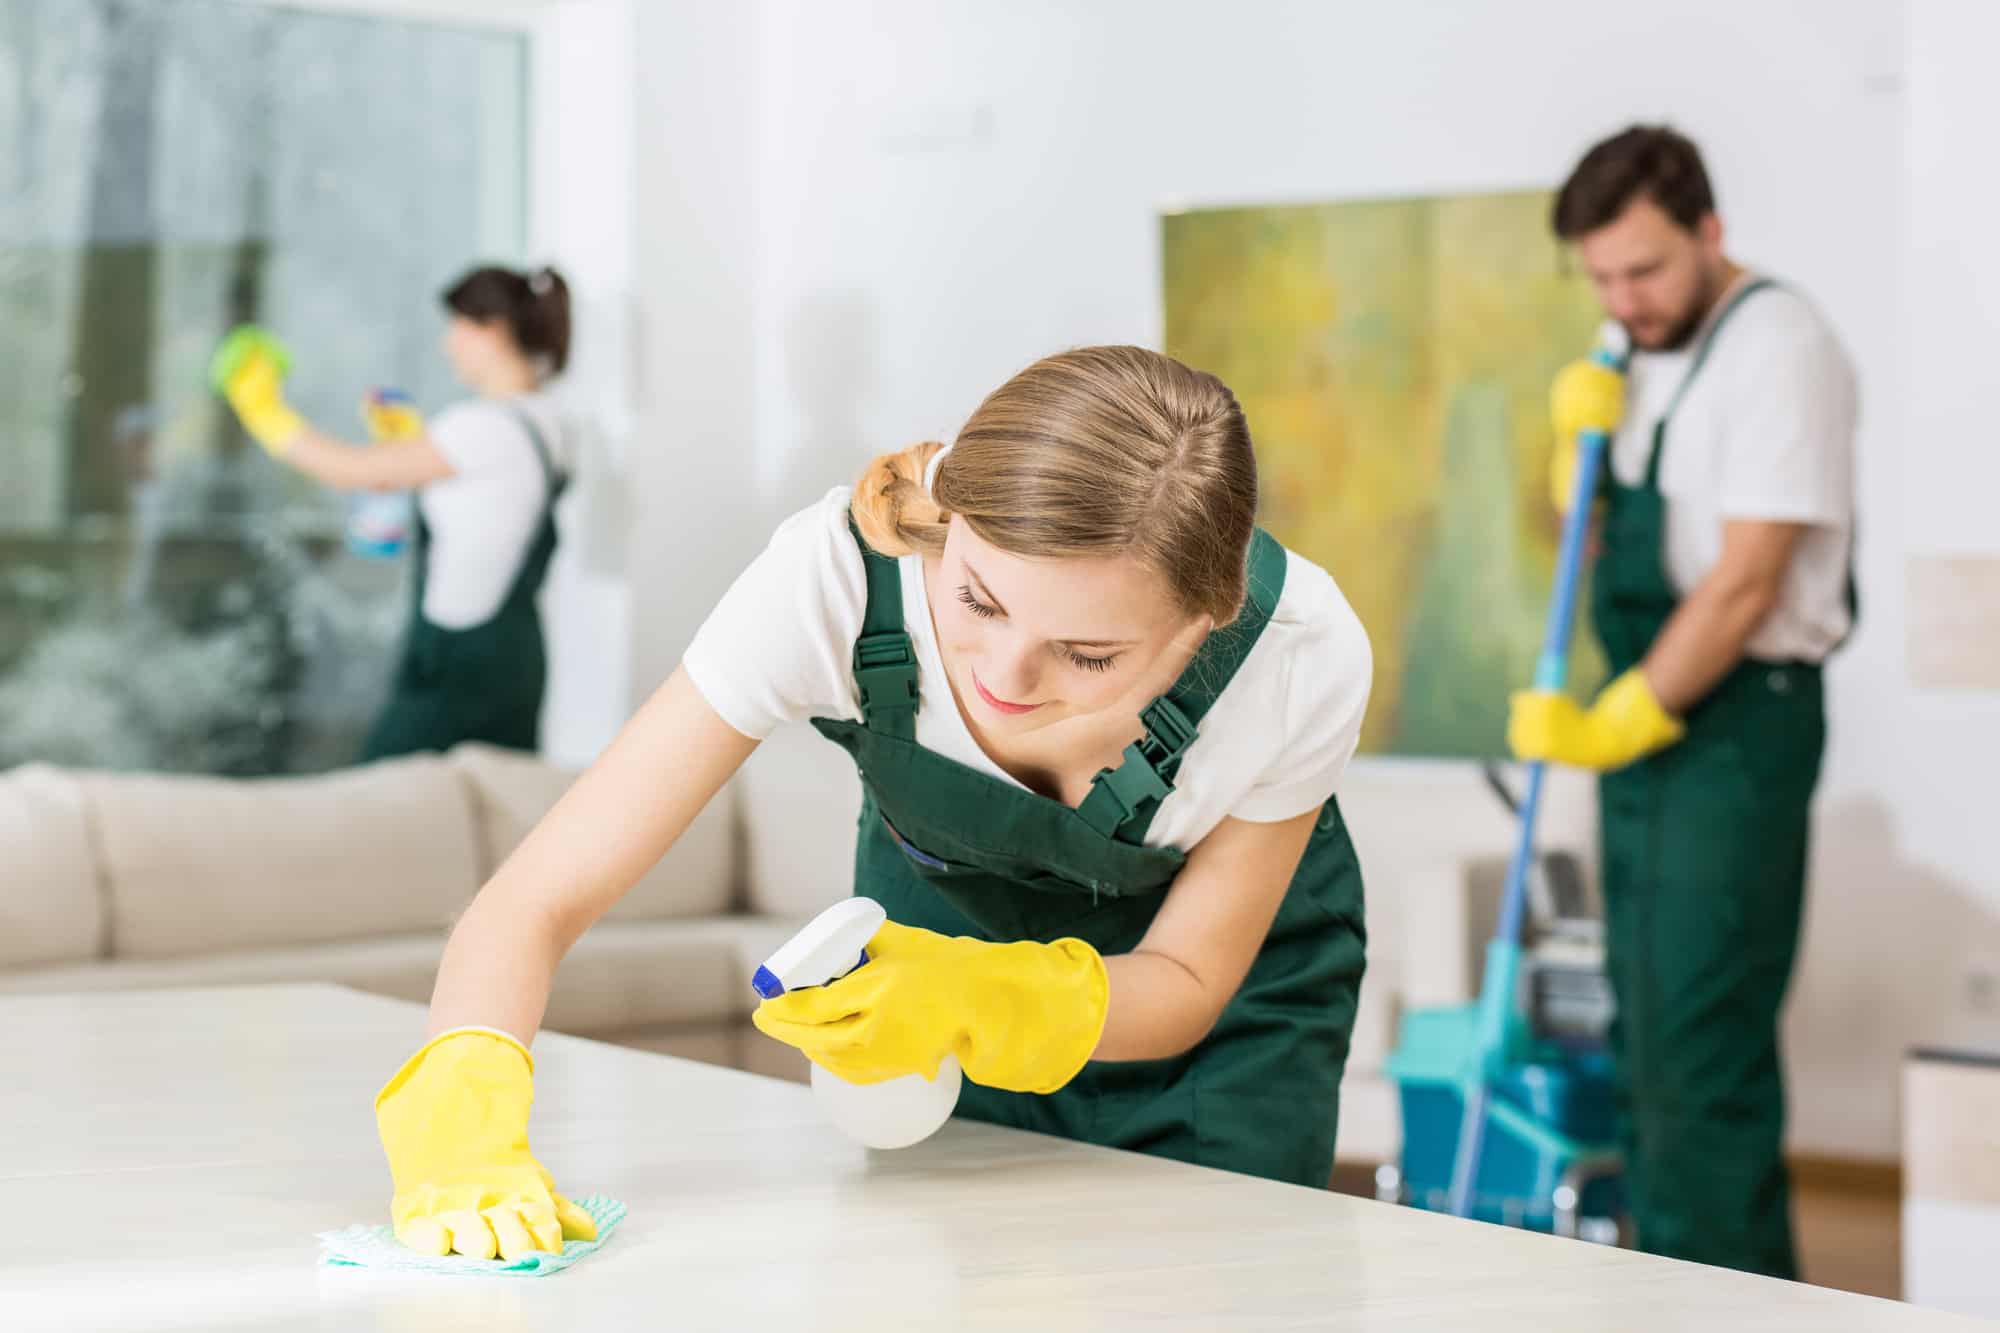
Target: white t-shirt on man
[(484, 516), (1766, 431), (779, 647)]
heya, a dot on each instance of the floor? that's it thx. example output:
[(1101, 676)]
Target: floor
[(1850, 1235), (1849, 1230)]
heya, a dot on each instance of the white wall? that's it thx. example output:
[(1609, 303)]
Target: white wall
[(934, 194), (694, 516), (1903, 943), (583, 219)]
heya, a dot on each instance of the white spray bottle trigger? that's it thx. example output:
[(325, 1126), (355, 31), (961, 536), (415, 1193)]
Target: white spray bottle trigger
[(830, 946)]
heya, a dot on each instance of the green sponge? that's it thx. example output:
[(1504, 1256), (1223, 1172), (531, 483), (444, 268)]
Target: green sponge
[(242, 342)]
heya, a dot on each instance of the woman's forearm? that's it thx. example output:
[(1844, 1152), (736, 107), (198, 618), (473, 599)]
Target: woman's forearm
[(498, 967), (1168, 993), (391, 466), (1158, 1008)]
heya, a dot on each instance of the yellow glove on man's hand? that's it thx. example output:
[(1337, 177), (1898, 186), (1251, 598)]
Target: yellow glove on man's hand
[(454, 1123), (1625, 724), (1586, 395), (249, 369), (1021, 1017)]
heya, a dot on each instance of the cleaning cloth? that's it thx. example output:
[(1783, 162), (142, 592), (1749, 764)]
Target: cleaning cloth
[(366, 1246)]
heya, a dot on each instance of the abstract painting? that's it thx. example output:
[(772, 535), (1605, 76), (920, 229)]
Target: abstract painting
[(1393, 358)]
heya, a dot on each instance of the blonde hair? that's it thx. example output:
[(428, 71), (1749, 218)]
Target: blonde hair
[(1092, 452)]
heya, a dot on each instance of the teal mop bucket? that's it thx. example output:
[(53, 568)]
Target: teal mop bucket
[(1550, 1161)]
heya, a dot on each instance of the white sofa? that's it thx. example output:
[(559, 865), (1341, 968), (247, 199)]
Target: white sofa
[(120, 881)]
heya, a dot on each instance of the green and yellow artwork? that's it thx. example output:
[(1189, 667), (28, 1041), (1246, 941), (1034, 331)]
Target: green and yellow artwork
[(1393, 358)]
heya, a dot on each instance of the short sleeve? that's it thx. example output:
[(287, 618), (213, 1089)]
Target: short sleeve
[(1788, 434), (1324, 681), (476, 437), (776, 648)]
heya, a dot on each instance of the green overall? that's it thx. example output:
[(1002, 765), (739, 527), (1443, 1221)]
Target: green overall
[(482, 683), (1704, 877), (951, 849)]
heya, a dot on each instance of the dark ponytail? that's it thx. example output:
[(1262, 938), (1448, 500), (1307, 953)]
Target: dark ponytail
[(534, 305)]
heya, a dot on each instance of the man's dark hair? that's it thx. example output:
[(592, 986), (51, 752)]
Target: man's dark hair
[(1646, 160)]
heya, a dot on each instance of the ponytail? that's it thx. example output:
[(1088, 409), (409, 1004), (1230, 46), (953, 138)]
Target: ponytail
[(895, 513)]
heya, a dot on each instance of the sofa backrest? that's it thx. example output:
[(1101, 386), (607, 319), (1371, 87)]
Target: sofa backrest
[(195, 865), (511, 791)]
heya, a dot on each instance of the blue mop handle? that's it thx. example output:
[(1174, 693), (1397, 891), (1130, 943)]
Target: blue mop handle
[(1493, 1038), (1552, 668)]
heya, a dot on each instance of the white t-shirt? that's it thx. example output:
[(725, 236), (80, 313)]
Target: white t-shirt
[(483, 517), (778, 648), (1766, 431)]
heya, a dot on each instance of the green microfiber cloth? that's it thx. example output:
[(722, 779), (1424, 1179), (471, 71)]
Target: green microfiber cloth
[(366, 1246), (237, 346)]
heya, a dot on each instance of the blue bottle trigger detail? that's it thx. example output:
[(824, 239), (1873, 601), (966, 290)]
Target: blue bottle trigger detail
[(765, 982)]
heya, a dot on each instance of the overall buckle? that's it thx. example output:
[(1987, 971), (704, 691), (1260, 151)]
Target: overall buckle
[(885, 671)]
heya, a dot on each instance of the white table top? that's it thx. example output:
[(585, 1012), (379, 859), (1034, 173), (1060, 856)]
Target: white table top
[(166, 1158)]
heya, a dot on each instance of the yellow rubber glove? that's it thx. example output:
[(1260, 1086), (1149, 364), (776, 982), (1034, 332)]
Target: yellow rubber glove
[(1022, 1017), (1623, 725), (1586, 395), (249, 369), (390, 415), (454, 1123)]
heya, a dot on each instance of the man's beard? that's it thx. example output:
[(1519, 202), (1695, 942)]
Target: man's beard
[(1682, 333)]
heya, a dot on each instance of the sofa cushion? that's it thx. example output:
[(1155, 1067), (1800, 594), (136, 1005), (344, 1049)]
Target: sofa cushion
[(205, 865), (511, 791), (800, 796), (51, 905)]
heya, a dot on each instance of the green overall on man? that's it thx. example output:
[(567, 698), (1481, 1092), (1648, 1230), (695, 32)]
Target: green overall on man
[(1722, 584)]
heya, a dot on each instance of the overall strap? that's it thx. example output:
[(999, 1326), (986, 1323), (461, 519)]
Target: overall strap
[(1123, 800), (1743, 293), (553, 477), (885, 663)]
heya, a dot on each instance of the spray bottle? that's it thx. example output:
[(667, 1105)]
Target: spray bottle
[(894, 1114), (379, 523)]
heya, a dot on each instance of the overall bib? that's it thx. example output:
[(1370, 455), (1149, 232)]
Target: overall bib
[(1704, 877), (951, 849), (482, 683)]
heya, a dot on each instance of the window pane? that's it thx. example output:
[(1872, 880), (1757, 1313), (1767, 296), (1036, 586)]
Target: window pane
[(169, 597)]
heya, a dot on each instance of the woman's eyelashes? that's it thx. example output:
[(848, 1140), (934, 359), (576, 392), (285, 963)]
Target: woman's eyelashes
[(1081, 661), (978, 608)]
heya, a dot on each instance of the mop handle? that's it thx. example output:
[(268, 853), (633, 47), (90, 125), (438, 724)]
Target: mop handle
[(1503, 954), (1552, 673), (1552, 668)]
